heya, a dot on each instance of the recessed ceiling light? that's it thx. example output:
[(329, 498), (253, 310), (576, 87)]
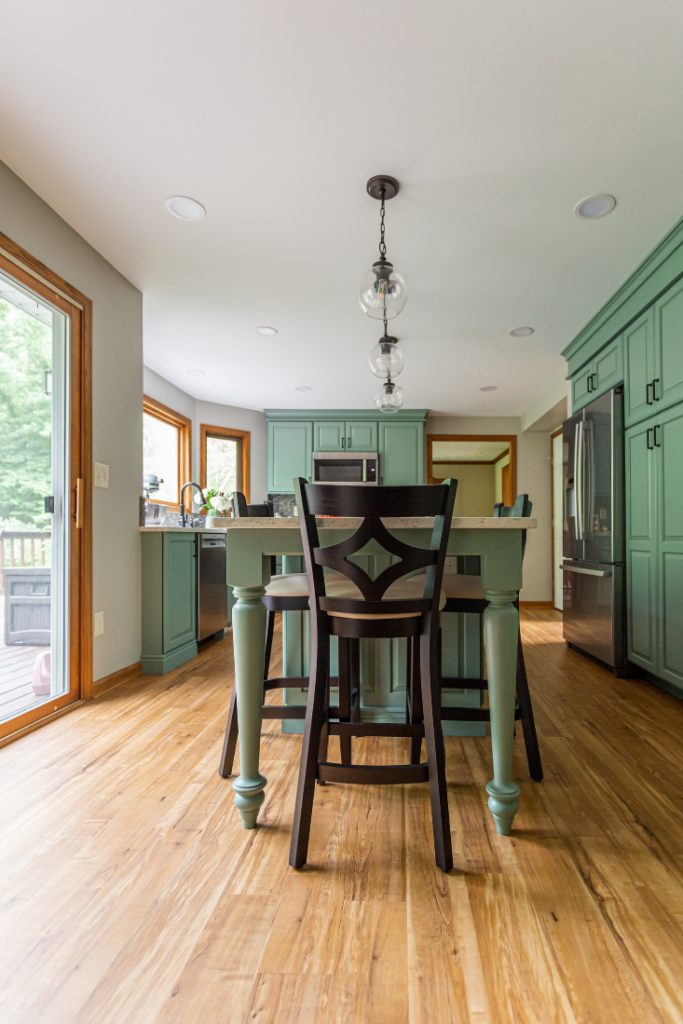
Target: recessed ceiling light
[(185, 208), (489, 387), (595, 206), (196, 373), (521, 332), (302, 387), (266, 330)]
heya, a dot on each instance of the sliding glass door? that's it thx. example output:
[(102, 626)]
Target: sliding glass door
[(43, 659)]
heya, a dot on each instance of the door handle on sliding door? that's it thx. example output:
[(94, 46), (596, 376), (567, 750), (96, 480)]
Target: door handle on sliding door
[(78, 504)]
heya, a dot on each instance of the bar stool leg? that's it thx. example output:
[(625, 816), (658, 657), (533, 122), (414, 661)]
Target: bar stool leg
[(533, 753), (416, 709), (270, 629), (345, 696), (230, 741), (313, 732), (436, 754), (354, 663)]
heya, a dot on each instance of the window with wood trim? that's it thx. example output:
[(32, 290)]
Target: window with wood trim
[(167, 451), (485, 466), (224, 459)]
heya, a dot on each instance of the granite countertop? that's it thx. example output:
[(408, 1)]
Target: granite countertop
[(183, 529), (391, 523)]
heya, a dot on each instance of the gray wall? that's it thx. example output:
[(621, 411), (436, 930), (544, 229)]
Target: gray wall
[(533, 478), (215, 415), (117, 421)]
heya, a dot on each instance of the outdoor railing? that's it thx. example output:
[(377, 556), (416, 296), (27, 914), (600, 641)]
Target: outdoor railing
[(23, 548)]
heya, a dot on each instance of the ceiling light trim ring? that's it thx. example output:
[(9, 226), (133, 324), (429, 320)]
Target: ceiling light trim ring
[(608, 201)]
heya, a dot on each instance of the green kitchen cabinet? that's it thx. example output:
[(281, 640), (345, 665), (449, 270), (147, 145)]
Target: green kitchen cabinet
[(362, 435), (654, 545), (329, 436), (290, 453), (641, 545), (169, 600), (401, 453), (343, 435), (602, 373), (640, 359), (668, 370)]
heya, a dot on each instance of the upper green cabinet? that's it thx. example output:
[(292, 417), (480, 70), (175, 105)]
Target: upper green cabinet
[(401, 453), (290, 453), (639, 353), (345, 435), (668, 378), (602, 373)]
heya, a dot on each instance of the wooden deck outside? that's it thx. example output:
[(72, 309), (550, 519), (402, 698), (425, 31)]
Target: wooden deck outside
[(132, 894), (16, 675)]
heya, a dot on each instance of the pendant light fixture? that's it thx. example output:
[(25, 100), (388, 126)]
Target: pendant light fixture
[(383, 295), (382, 290)]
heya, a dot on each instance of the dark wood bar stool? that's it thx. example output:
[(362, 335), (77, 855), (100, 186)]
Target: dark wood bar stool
[(389, 606), (285, 593), (465, 594)]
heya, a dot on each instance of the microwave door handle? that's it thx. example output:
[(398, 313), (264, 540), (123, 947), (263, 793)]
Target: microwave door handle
[(365, 471), (578, 435)]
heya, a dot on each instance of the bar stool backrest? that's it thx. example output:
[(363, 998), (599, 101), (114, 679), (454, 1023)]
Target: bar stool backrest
[(241, 510), (520, 510), (372, 504)]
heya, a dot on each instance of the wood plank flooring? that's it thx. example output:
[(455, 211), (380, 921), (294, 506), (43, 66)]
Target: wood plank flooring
[(130, 894)]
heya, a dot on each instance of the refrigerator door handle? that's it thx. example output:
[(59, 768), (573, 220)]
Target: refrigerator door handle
[(586, 572), (578, 480), (588, 482)]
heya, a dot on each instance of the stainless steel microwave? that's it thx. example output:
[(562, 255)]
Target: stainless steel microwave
[(345, 468)]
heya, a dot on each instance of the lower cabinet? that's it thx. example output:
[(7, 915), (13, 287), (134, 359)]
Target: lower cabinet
[(169, 600), (654, 545)]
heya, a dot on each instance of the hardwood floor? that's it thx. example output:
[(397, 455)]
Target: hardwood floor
[(132, 895)]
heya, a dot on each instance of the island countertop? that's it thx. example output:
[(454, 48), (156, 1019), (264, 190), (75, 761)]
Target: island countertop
[(391, 523), (182, 529)]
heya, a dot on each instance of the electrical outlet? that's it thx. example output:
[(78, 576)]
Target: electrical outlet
[(101, 475), (99, 623)]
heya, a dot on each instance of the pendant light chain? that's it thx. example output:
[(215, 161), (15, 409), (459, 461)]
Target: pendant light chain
[(382, 243)]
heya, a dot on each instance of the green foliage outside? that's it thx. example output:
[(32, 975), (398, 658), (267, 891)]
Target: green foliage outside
[(25, 419)]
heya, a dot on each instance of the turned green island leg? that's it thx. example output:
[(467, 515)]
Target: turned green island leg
[(501, 624), (249, 638)]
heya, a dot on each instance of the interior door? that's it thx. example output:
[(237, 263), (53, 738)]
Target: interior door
[(45, 587)]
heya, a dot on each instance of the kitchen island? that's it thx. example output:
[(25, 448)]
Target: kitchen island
[(250, 543)]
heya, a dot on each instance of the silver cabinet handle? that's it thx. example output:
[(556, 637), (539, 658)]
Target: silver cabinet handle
[(585, 572)]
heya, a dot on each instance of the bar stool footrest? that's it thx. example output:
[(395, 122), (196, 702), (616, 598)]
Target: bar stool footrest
[(373, 775)]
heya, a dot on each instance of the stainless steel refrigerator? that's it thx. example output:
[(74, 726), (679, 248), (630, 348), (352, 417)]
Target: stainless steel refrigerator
[(593, 530)]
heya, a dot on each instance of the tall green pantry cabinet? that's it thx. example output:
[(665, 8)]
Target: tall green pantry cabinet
[(638, 337)]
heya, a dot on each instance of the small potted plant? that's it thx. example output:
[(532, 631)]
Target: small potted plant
[(217, 509)]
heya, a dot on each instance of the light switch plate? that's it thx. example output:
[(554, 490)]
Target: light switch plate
[(101, 475), (99, 623)]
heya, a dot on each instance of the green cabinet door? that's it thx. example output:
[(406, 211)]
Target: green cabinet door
[(290, 451), (361, 436), (668, 440), (401, 453), (179, 590), (641, 545), (582, 387), (329, 436), (639, 358), (668, 372), (608, 370)]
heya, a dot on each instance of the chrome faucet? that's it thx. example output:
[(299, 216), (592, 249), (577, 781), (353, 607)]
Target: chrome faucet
[(182, 507)]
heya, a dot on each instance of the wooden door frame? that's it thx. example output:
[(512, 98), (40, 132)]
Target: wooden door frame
[(205, 430), (554, 434), (19, 264), (510, 438)]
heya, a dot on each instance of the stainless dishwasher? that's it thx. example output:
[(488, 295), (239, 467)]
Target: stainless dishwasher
[(213, 589)]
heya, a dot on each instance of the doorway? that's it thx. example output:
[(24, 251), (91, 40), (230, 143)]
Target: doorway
[(45, 537), (485, 466)]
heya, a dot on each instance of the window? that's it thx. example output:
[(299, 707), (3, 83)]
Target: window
[(166, 450), (483, 464), (224, 459)]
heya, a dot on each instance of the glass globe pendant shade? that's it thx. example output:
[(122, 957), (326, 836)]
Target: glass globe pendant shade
[(390, 398), (382, 291), (386, 358)]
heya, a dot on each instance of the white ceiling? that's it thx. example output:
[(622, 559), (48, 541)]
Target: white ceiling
[(497, 117)]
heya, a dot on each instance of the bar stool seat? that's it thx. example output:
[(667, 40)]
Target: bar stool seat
[(411, 589)]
